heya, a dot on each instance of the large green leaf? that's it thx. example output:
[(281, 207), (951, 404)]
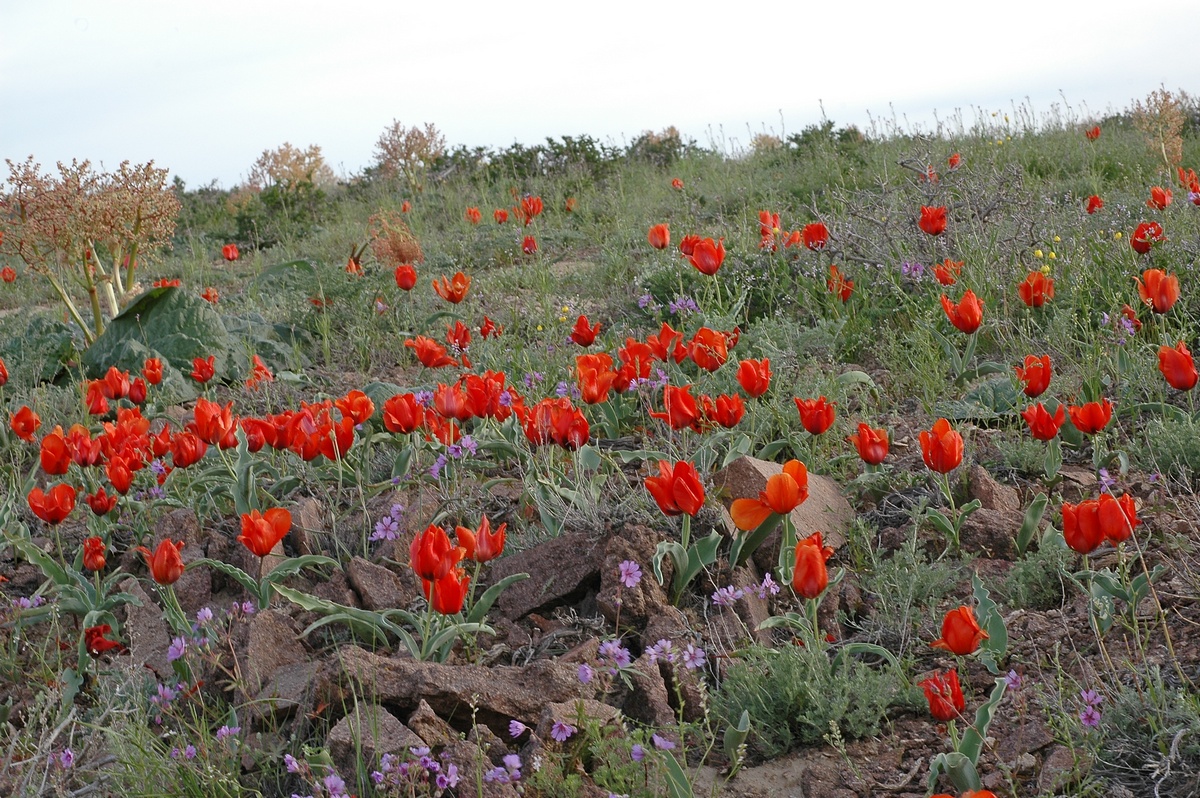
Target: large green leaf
[(45, 349), (171, 322)]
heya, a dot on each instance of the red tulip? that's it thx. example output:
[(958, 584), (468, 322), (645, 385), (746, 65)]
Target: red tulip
[(583, 333), (430, 554), (1158, 289), (1094, 203), (261, 531), (948, 271), (1177, 366), (54, 505), (405, 206), (356, 406), (187, 449), (945, 696), (933, 220), (967, 315), (1092, 133), (1036, 290), (500, 215), (961, 634), (152, 370), (447, 595), (8, 274), (680, 407), (954, 160), (93, 554), (596, 377), (406, 276), (100, 502), (3, 373), (687, 245), (1091, 417), (659, 236), (816, 415), (727, 410), (1144, 236), (529, 208), (810, 577), (815, 235), (1160, 198), (1036, 375), (838, 285), (1081, 526), (754, 376), (402, 414), (783, 493), (482, 544), (453, 289), (1042, 425), (473, 215), (230, 252), (55, 456), (707, 256), (872, 444), (676, 184), (166, 564), (25, 423), (529, 246), (941, 447), (94, 640), (677, 489), (203, 369), (431, 354), (709, 349), (1117, 517)]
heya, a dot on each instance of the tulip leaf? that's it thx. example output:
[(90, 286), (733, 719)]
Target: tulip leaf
[(34, 554), (638, 455), (365, 624), (233, 572), (746, 543), (992, 622), (790, 620), (1033, 517), (294, 565), (768, 451), (958, 767), (856, 377), (484, 603), (973, 738), (1053, 461), (734, 740), (1162, 409), (678, 784), (402, 462), (852, 649), (941, 523)]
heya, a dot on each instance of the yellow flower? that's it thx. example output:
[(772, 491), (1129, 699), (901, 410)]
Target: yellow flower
[(1117, 234), (539, 328), (1037, 253), (565, 308), (1057, 239), (1050, 255), (1045, 268), (562, 318)]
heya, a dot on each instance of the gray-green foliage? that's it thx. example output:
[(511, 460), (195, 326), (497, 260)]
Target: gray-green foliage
[(793, 695)]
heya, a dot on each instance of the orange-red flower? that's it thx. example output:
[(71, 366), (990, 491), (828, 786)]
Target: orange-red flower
[(954, 160), (708, 256), (1035, 376), (529, 246), (1042, 425), (119, 474), (210, 295), (872, 444), (583, 333), (431, 555), (679, 406), (166, 563), (96, 401), (54, 505), (941, 447), (596, 377), (783, 493), (944, 694), (667, 344), (500, 215), (261, 531), (816, 415), (1160, 198), (100, 502), (838, 285), (1177, 366), (489, 328), (93, 554), (687, 245), (815, 235), (453, 290), (203, 369), (709, 349), (676, 184), (187, 449), (810, 577), (152, 370), (356, 406), (1092, 133), (8, 274), (405, 206), (967, 315), (947, 272), (933, 220), (25, 423), (677, 488), (570, 205), (1158, 289), (230, 252), (447, 595), (659, 236), (754, 376), (1117, 517), (137, 391), (727, 410), (1081, 526), (1036, 290), (473, 215), (1091, 417), (1145, 235), (94, 640), (55, 456), (1094, 203), (431, 354), (210, 421), (529, 208), (402, 414), (554, 420), (482, 544), (3, 373), (961, 634), (406, 277)]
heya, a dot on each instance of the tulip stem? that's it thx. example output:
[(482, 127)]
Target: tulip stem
[(685, 535), (787, 550)]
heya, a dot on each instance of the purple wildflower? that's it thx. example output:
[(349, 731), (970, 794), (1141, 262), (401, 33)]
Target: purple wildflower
[(637, 753), (1091, 698), (386, 528), (1090, 717), (585, 673), (725, 596), (694, 657), (516, 728), (227, 731), (189, 752), (292, 765), (661, 743), (1013, 680), (176, 649), (204, 615), (562, 731), (630, 573), (66, 758)]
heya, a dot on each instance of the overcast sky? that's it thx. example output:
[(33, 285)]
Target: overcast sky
[(204, 87)]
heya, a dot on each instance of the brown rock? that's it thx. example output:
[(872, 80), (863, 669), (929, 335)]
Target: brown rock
[(648, 701), (1060, 769), (379, 588), (490, 743), (561, 571), (336, 589), (273, 644), (308, 521), (194, 587), (288, 692), (637, 543), (990, 493), (147, 631), (366, 734), (472, 762), (1030, 736), (991, 532), (430, 728), (497, 694), (1078, 483), (825, 511), (571, 712), (750, 608)]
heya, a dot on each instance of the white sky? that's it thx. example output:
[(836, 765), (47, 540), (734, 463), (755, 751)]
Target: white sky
[(203, 87)]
